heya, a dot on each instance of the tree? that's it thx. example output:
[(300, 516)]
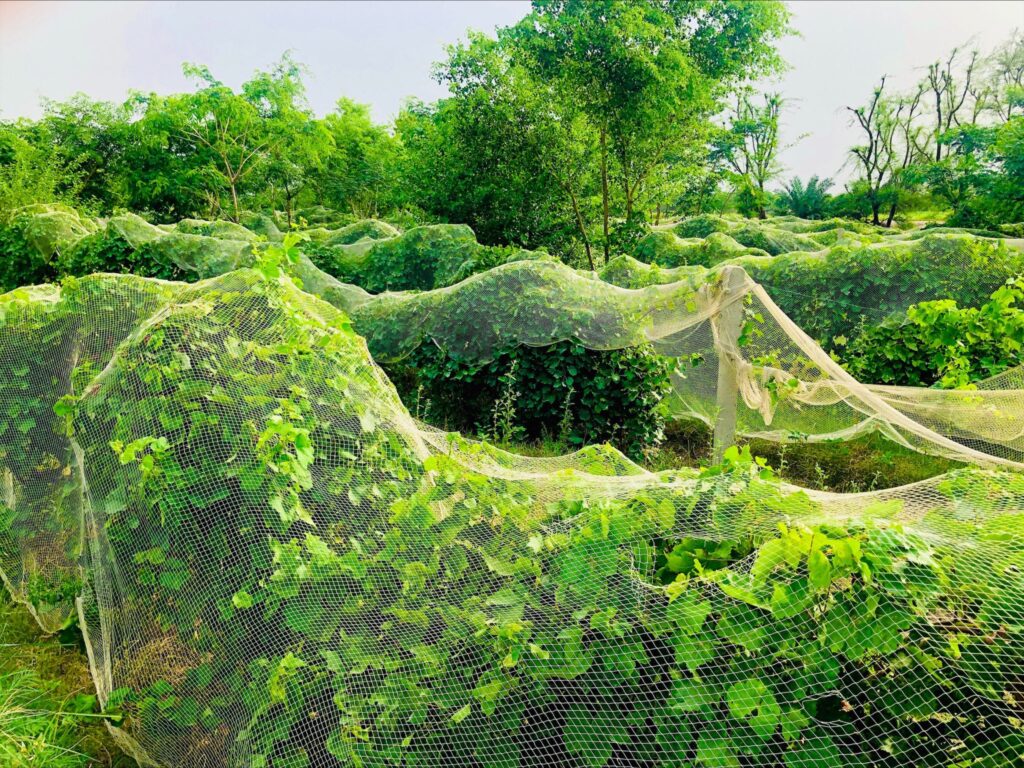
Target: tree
[(527, 142), (297, 144), (1005, 70), (751, 147), (31, 171), (808, 201), (981, 178), (893, 142), (90, 136), (358, 173), (646, 74), (602, 96), (232, 135), (949, 84)]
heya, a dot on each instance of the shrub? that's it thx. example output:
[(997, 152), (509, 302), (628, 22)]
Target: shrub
[(701, 225), (373, 229), (940, 342), (261, 224), (667, 250), (21, 263), (223, 230), (285, 574), (562, 390), (771, 239), (103, 251), (828, 294), (432, 256), (33, 238)]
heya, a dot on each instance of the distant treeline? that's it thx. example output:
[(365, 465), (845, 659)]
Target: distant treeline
[(573, 130)]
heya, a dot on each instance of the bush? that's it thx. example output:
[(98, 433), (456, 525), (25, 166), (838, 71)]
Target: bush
[(33, 238), (282, 544), (828, 294), (261, 224), (365, 228), (427, 257), (560, 391), (21, 263), (939, 342), (103, 251), (771, 239), (701, 225), (222, 230), (666, 250)]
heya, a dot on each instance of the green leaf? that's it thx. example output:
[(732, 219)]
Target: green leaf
[(752, 701)]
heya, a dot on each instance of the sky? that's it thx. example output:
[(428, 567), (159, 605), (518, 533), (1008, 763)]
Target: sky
[(381, 53)]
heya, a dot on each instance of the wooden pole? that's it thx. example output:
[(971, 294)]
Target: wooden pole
[(730, 324)]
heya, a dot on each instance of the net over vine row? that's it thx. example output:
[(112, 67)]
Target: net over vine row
[(274, 564)]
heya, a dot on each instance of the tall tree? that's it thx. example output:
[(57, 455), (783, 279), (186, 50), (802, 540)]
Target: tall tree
[(297, 144), (358, 174), (950, 85), (646, 74), (1005, 71), (893, 141), (751, 146)]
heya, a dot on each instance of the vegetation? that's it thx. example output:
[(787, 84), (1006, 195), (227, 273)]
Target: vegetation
[(314, 575), (49, 717)]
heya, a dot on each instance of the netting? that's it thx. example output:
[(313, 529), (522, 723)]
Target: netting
[(274, 564)]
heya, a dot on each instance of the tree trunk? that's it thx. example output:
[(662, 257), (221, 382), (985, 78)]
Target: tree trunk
[(234, 200), (583, 229), (288, 204), (604, 188), (892, 215), (657, 215), (874, 213), (628, 195)]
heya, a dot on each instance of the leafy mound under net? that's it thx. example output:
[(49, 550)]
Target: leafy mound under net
[(275, 565)]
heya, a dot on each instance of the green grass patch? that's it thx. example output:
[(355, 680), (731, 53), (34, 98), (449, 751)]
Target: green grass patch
[(49, 716)]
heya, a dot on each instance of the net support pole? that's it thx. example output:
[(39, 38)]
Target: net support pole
[(730, 323)]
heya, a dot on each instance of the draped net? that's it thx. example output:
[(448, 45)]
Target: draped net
[(274, 564)]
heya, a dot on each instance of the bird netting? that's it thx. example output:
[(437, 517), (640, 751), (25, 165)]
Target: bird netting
[(275, 565)]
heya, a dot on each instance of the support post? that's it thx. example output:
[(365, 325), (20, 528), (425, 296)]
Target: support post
[(729, 326)]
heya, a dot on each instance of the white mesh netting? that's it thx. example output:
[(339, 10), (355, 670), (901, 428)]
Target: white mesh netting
[(274, 564)]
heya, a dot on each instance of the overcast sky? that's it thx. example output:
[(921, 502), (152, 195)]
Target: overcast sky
[(381, 52)]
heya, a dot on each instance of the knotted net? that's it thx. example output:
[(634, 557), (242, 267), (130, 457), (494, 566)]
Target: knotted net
[(274, 564)]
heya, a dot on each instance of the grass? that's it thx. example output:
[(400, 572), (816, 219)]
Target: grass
[(48, 711)]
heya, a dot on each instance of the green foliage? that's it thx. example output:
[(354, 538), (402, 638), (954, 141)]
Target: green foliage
[(373, 229), (701, 226), (422, 258), (30, 172), (666, 250), (807, 201), (828, 295), (981, 176), (750, 147), (49, 714), (938, 342), (33, 238), (561, 390), (772, 240), (359, 169), (420, 607)]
